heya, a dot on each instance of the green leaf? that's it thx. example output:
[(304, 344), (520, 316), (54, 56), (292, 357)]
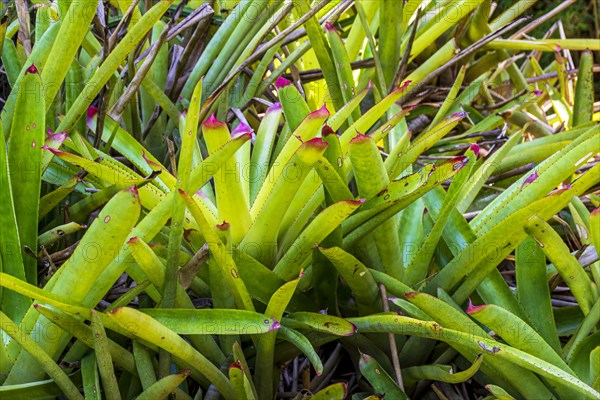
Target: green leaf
[(146, 328), (318, 229), (336, 391), (379, 379), (492, 348), (534, 291), (25, 163), (573, 274), (516, 333), (357, 277), (165, 386), (111, 63), (212, 321), (442, 373), (40, 356)]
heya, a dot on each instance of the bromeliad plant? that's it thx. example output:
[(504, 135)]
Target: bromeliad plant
[(202, 232)]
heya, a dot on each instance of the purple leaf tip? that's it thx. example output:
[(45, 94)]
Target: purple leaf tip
[(529, 179), (281, 82), (241, 129), (274, 107)]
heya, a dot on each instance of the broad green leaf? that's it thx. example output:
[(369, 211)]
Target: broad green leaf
[(25, 162), (320, 323), (371, 179), (11, 258), (80, 273), (356, 276), (265, 348), (584, 91), (534, 291), (212, 321)]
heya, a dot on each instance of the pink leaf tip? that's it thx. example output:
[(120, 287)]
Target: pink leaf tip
[(329, 26), (281, 82), (405, 84), (475, 149), (212, 122), (134, 190), (32, 69), (91, 113), (471, 309), (359, 138)]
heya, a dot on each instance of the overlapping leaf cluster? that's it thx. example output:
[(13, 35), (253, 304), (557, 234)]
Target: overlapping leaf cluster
[(228, 200)]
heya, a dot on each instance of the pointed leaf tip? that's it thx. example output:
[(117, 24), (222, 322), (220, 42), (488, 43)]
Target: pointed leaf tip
[(184, 372), (410, 295), (360, 138), (459, 162), (134, 190), (241, 129), (471, 309), (475, 149), (316, 143), (459, 114), (405, 84), (91, 112), (274, 325), (32, 69), (212, 122), (321, 112), (326, 131), (329, 26), (274, 107), (223, 226), (529, 179), (133, 240), (281, 82)]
